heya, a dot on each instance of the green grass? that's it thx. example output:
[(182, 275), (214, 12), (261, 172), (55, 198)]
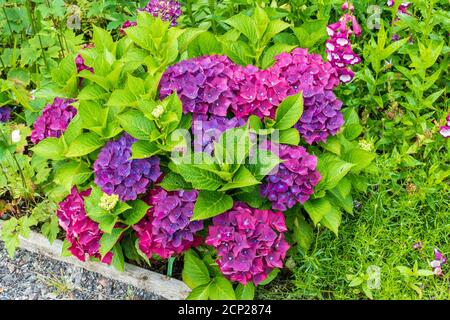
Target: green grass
[(401, 208)]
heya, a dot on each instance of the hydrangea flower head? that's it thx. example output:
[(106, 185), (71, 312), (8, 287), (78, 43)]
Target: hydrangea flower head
[(79, 61), (127, 24), (167, 230), (294, 180), (202, 84), (206, 130), (82, 233), (116, 173), (445, 130), (249, 242), (167, 10), (54, 119), (257, 92), (5, 114)]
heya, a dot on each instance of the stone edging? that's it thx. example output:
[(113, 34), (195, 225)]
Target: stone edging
[(156, 283)]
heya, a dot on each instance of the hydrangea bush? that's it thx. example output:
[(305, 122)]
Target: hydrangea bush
[(221, 157)]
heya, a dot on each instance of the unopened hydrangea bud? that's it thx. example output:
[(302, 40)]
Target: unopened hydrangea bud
[(158, 111), (108, 202)]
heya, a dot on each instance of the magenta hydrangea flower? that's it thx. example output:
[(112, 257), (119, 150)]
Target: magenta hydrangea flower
[(250, 242), (116, 173), (293, 180), (127, 24), (54, 120), (257, 92), (79, 61), (202, 84), (445, 130), (167, 10), (82, 233), (338, 46), (167, 230), (206, 130), (5, 114)]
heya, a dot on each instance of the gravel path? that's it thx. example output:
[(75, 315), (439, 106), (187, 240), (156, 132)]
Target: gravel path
[(30, 276)]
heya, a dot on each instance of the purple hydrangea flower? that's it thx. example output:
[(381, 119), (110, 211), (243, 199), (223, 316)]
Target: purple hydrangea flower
[(206, 130), (167, 230), (54, 120), (250, 242), (116, 173), (82, 233), (202, 84), (167, 10), (5, 114), (316, 79), (445, 130), (338, 46), (294, 180), (321, 117), (257, 92)]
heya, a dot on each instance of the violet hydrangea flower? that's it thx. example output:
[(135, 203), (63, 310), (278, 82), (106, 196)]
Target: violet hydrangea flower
[(294, 180), (257, 92), (202, 84), (82, 233), (5, 114), (250, 242), (445, 130), (206, 130), (54, 120), (167, 230), (316, 79), (116, 173), (167, 10)]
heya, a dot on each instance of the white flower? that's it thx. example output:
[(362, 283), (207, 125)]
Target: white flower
[(15, 136), (158, 111)]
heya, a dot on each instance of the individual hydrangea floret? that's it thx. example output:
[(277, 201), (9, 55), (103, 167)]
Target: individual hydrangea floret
[(167, 230), (167, 10), (250, 242), (116, 173), (54, 120), (257, 92), (82, 233), (339, 48), (202, 84), (445, 130), (206, 130), (293, 180), (5, 114)]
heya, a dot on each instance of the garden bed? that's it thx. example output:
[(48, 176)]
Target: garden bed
[(149, 281)]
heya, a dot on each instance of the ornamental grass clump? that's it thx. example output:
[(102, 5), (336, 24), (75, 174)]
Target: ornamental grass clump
[(116, 173), (166, 230), (82, 233), (54, 119), (294, 180), (250, 242)]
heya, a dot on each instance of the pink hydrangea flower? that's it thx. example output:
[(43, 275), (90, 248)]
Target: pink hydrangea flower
[(294, 179), (82, 233), (250, 242), (167, 230), (54, 120)]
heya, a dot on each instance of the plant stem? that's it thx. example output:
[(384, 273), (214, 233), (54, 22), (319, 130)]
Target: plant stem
[(9, 24), (170, 266), (33, 26), (189, 9), (212, 4)]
